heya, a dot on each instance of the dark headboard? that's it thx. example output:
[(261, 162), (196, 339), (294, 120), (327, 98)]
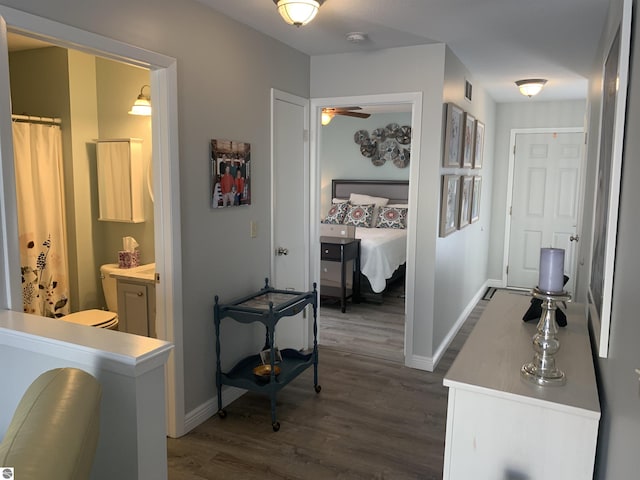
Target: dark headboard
[(397, 191)]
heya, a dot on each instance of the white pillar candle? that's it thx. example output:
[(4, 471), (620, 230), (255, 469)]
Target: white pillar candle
[(551, 270)]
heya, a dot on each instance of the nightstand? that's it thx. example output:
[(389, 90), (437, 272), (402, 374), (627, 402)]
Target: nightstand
[(339, 255)]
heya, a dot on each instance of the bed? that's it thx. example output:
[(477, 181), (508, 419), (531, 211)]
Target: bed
[(383, 251)]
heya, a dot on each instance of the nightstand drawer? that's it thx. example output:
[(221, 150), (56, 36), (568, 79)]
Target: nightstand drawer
[(330, 251)]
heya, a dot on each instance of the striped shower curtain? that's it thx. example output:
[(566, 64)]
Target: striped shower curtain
[(41, 218)]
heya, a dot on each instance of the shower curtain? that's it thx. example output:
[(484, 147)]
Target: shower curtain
[(41, 218)]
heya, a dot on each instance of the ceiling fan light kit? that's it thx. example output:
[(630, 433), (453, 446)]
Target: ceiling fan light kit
[(298, 12), (531, 86)]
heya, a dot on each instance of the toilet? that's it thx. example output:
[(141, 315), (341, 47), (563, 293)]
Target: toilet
[(101, 318)]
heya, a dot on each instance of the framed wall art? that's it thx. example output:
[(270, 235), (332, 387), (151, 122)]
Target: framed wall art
[(453, 136), (464, 211), (468, 140), (230, 173), (475, 199), (449, 204), (478, 148)]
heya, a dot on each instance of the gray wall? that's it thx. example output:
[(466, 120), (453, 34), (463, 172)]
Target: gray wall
[(617, 455), (340, 156), (225, 73), (526, 114)]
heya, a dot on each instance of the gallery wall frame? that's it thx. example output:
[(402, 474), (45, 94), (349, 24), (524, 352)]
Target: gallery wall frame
[(449, 204), (615, 73), (475, 198), (478, 148), (464, 209), (468, 140), (454, 126)]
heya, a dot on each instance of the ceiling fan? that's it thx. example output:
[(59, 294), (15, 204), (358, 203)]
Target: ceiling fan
[(329, 112)]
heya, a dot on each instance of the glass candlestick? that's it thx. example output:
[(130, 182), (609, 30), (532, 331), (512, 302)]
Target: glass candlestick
[(542, 369)]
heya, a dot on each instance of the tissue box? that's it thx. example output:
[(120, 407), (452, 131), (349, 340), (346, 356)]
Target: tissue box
[(128, 259)]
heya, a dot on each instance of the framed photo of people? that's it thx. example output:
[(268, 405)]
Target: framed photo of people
[(230, 173)]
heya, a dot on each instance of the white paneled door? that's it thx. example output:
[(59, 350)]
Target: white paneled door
[(547, 191), (290, 208)]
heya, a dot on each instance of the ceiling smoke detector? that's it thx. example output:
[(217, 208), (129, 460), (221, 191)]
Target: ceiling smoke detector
[(356, 37)]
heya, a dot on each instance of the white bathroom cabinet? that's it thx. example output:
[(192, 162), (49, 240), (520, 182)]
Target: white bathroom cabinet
[(120, 180), (137, 307)]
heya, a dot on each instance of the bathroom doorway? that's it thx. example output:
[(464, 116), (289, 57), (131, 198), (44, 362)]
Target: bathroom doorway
[(163, 73), (82, 98)]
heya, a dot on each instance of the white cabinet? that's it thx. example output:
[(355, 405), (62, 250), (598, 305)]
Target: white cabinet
[(137, 307), (120, 180), (500, 425)]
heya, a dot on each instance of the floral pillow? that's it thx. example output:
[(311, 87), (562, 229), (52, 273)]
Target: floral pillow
[(337, 213), (392, 217), (359, 215)]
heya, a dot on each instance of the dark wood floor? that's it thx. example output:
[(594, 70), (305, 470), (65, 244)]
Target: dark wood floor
[(374, 419)]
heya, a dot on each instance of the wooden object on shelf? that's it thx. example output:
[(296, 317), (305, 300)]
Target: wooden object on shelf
[(500, 425), (345, 253), (267, 306)]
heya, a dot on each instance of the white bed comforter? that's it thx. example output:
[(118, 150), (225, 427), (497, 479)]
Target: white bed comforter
[(382, 251)]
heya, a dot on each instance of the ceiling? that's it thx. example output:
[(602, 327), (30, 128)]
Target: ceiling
[(499, 41)]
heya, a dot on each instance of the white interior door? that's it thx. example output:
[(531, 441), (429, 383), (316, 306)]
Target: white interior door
[(290, 208), (547, 191)]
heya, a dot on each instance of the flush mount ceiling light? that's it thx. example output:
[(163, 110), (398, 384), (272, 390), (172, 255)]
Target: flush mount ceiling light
[(531, 86), (142, 106), (298, 12)]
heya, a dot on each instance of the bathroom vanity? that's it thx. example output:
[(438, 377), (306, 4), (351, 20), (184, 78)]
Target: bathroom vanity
[(137, 300)]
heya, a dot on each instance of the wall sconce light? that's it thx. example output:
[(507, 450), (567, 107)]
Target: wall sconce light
[(531, 86), (142, 105), (298, 12)]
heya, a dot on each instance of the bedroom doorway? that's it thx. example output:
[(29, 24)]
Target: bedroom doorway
[(381, 325)]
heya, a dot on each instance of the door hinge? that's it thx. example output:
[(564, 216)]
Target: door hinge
[(507, 270), (305, 135), (514, 150), (511, 210)]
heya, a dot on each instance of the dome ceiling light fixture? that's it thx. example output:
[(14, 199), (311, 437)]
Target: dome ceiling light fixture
[(531, 86), (298, 12)]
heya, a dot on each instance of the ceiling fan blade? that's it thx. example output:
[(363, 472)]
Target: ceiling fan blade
[(354, 114)]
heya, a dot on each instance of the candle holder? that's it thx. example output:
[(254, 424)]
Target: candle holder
[(542, 369)]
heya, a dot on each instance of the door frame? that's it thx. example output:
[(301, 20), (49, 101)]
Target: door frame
[(165, 179), (415, 100), (307, 334), (510, 176)]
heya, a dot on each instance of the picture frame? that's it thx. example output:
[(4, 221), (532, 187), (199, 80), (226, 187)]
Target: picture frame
[(265, 356), (475, 199), (478, 149), (604, 232), (230, 173), (453, 136), (468, 140), (464, 207), (449, 204)]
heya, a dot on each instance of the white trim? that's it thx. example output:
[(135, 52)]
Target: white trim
[(208, 409), (510, 174), (167, 198), (415, 100)]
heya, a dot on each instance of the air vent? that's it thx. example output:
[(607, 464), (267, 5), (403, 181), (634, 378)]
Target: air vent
[(468, 90)]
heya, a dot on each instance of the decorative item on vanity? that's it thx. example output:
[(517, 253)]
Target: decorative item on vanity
[(542, 369), (129, 256), (386, 143)]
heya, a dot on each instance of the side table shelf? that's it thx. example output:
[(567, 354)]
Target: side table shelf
[(267, 306)]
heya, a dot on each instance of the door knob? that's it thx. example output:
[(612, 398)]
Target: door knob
[(282, 251), (574, 238)]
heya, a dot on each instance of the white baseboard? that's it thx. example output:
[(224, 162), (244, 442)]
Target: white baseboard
[(208, 409), (420, 363), (495, 283), (458, 325)]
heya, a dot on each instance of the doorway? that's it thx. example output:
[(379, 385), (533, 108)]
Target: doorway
[(165, 181), (547, 187), (413, 103)]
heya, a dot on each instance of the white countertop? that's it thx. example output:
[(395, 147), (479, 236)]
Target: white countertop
[(143, 273), (501, 343)]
